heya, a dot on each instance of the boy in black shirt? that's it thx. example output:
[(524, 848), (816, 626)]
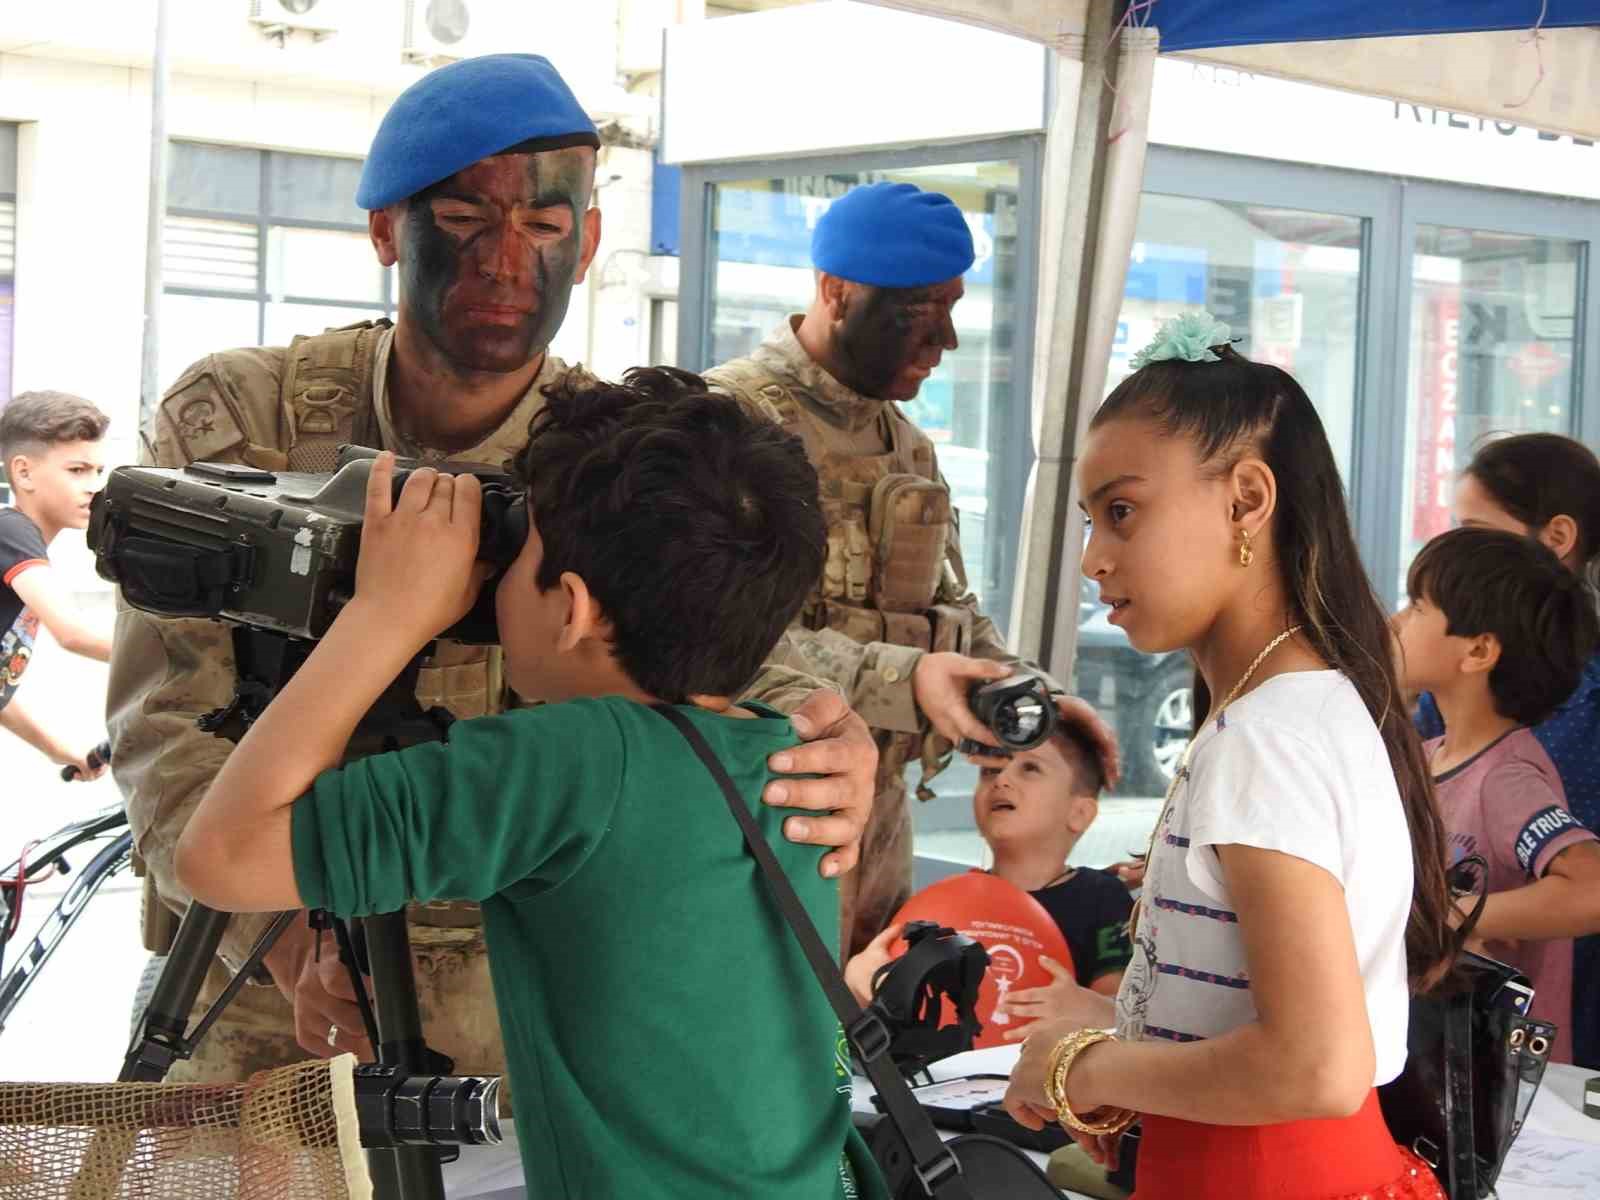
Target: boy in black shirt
[(50, 445), (1031, 812)]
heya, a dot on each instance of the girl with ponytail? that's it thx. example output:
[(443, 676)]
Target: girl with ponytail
[(1296, 887)]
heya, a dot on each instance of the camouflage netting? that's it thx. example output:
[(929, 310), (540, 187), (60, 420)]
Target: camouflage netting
[(286, 1134)]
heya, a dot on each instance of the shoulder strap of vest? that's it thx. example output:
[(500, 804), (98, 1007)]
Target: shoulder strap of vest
[(757, 388), (761, 391), (328, 395)]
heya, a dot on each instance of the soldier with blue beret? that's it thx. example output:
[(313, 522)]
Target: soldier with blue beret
[(478, 189), (893, 622)]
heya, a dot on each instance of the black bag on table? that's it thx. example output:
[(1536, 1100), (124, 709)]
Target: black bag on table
[(1474, 1063), (914, 1161)]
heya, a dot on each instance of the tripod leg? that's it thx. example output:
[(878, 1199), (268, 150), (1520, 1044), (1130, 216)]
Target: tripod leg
[(161, 1032), (161, 1038), (400, 1044)]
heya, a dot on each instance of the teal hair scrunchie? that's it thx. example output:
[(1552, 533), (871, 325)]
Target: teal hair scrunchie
[(1188, 337)]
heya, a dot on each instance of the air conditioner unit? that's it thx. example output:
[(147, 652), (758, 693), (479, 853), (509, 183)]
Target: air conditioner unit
[(318, 17), (441, 31)]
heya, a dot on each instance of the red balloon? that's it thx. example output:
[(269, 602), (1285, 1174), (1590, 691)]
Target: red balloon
[(1012, 926)]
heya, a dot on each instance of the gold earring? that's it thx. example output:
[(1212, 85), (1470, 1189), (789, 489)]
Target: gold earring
[(1246, 555)]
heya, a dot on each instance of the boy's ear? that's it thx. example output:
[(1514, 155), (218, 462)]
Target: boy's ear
[(19, 472), (585, 619), (1560, 534), (1253, 495), (1483, 654), (1081, 812)]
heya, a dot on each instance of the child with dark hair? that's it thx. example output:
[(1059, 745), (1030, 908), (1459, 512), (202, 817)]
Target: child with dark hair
[(1296, 883), (1498, 631), (1031, 812), (50, 449), (657, 1012), (1545, 486)]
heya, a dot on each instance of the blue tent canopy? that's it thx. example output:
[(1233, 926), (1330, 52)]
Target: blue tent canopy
[(1207, 24)]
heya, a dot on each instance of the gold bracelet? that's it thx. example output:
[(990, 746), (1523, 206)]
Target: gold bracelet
[(1062, 1057)]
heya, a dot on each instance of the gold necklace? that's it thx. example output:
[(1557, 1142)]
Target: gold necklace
[(1183, 766)]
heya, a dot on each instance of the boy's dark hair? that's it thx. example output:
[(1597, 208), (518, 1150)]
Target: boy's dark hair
[(695, 524), (1491, 581), (1539, 476), (35, 421), (1083, 757)]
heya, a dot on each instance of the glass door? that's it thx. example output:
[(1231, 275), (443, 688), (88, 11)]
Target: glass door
[(1493, 350)]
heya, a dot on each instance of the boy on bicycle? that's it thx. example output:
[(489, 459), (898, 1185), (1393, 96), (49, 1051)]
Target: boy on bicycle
[(51, 449)]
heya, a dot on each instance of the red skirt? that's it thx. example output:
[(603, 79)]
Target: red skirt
[(1349, 1158)]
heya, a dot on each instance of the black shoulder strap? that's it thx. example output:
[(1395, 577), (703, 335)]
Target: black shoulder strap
[(935, 1166)]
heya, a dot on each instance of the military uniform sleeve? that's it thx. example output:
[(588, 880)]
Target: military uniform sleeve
[(874, 677), (166, 673)]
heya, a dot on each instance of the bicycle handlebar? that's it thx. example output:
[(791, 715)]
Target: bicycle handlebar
[(99, 755)]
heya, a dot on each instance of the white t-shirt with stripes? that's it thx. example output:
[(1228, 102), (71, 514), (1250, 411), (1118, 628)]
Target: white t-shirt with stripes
[(1297, 766)]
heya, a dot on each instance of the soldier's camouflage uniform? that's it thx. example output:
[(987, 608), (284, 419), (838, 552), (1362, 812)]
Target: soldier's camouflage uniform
[(893, 588), (289, 409)]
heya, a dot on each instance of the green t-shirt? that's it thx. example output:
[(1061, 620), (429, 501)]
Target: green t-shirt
[(663, 1033)]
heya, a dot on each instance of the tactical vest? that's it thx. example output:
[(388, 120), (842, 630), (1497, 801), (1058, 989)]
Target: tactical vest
[(887, 567)]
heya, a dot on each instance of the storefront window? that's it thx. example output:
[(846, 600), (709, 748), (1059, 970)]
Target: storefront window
[(1493, 318), (260, 246), (1289, 284)]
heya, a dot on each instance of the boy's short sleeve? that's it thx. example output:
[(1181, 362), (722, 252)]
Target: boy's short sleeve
[(1527, 818), (21, 545), (516, 801), (1257, 784)]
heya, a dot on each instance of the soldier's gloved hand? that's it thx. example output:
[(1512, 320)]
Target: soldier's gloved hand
[(839, 750), (319, 988), (940, 684)]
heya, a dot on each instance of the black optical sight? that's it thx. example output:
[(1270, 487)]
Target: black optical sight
[(396, 1109), (270, 550), (1018, 710)]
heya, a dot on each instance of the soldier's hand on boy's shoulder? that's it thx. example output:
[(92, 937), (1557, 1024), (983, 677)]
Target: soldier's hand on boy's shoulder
[(422, 548), (940, 683), (838, 749)]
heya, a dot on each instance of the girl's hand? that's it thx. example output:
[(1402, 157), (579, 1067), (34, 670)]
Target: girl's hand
[(1060, 999), (1102, 1148), (418, 553), (1025, 1098), (858, 972)]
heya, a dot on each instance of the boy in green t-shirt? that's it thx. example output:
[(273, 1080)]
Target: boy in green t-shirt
[(663, 1032)]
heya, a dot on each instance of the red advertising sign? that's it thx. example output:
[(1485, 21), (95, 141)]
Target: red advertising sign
[(1437, 387)]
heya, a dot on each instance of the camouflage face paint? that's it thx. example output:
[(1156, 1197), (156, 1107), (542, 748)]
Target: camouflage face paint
[(489, 256), (891, 338)]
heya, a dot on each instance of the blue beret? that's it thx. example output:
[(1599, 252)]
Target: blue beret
[(452, 117), (892, 235)]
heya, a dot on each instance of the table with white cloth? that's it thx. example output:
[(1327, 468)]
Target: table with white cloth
[(1556, 1158)]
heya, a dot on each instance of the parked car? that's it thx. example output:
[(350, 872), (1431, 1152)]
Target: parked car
[(1148, 699)]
